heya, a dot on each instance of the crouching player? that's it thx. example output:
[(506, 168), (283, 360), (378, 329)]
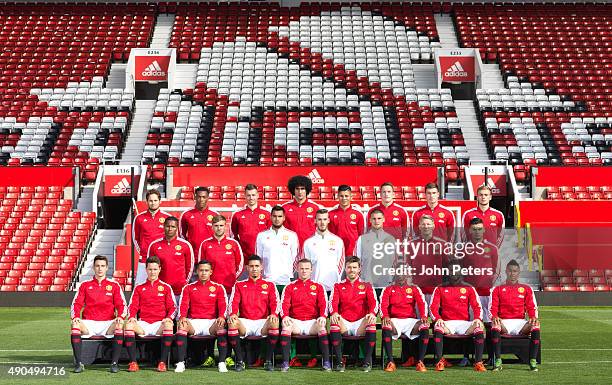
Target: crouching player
[(253, 312), (353, 311), (103, 305), (507, 307), (404, 312), (202, 313), (304, 311), (450, 309), (150, 312)]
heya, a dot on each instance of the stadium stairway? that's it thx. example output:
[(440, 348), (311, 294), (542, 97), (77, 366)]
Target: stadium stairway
[(143, 114), (471, 130), (446, 30), (116, 76), (162, 31), (491, 78), (85, 201), (103, 244)]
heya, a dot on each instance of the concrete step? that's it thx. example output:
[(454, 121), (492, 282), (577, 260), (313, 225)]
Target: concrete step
[(103, 244), (446, 31), (162, 31)]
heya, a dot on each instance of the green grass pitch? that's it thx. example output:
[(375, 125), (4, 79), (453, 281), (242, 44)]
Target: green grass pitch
[(576, 349)]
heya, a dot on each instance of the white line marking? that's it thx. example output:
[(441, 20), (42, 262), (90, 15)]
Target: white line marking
[(35, 350), (563, 349), (576, 362)]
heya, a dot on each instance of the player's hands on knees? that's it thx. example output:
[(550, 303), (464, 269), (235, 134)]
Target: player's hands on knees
[(386, 322), (370, 318), (478, 323), (118, 322), (534, 322), (273, 318), (287, 322), (440, 323), (131, 322), (425, 321), (233, 319), (220, 322), (76, 322), (322, 321), (335, 318), (496, 321)]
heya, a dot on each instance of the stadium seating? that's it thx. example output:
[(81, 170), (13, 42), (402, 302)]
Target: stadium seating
[(41, 240), (576, 280), (579, 192)]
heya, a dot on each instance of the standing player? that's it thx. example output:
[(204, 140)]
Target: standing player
[(175, 255), (253, 311), (396, 219), (353, 309), (507, 307), (147, 227), (250, 221), (450, 310), (404, 312), (202, 313), (223, 253), (427, 256), (304, 312), (326, 252), (103, 308), (375, 253), (278, 249), (494, 221), (444, 218), (196, 223), (150, 312), (300, 211), (346, 221)]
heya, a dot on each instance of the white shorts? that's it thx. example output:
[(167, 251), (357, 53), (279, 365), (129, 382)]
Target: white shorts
[(252, 326), (458, 327), (404, 326), (150, 329), (201, 326), (141, 273), (514, 326), (303, 327), (484, 302), (97, 328), (351, 327)]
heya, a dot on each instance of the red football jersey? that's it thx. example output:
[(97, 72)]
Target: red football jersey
[(99, 301), (304, 300), (254, 299), (177, 261), (195, 226), (348, 224), (453, 303), (206, 300), (226, 259), (300, 218), (494, 224), (513, 301), (423, 255), (444, 221), (353, 301), (396, 219), (146, 228), (245, 226), (486, 257), (152, 301), (403, 302)]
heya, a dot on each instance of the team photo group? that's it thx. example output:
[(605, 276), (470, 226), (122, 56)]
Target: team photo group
[(301, 271)]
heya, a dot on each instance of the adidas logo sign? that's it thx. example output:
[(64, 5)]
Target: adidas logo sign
[(123, 187), (153, 70), (315, 177), (456, 70)]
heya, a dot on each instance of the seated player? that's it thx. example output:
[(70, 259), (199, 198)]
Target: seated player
[(150, 312), (507, 307), (304, 311), (253, 312), (103, 308), (202, 310), (450, 310), (353, 311), (404, 312)]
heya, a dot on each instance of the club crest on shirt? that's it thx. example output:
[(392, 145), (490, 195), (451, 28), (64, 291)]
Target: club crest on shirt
[(521, 290), (353, 216), (285, 237), (109, 288), (408, 290), (395, 213), (264, 286), (313, 287), (492, 217), (160, 288), (463, 290), (209, 217), (162, 220), (441, 215), (361, 287), (212, 289), (178, 247), (228, 246), (262, 216), (309, 209), (332, 243)]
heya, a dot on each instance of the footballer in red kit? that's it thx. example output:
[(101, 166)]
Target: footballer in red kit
[(150, 313), (300, 211), (250, 221), (404, 312), (346, 221), (494, 221), (304, 312), (98, 309), (450, 310), (196, 224), (202, 309), (443, 217), (508, 306), (396, 218), (176, 256), (254, 307), (223, 253), (353, 309), (147, 227)]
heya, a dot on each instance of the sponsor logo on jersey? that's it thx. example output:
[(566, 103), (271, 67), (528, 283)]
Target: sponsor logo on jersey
[(463, 290)]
